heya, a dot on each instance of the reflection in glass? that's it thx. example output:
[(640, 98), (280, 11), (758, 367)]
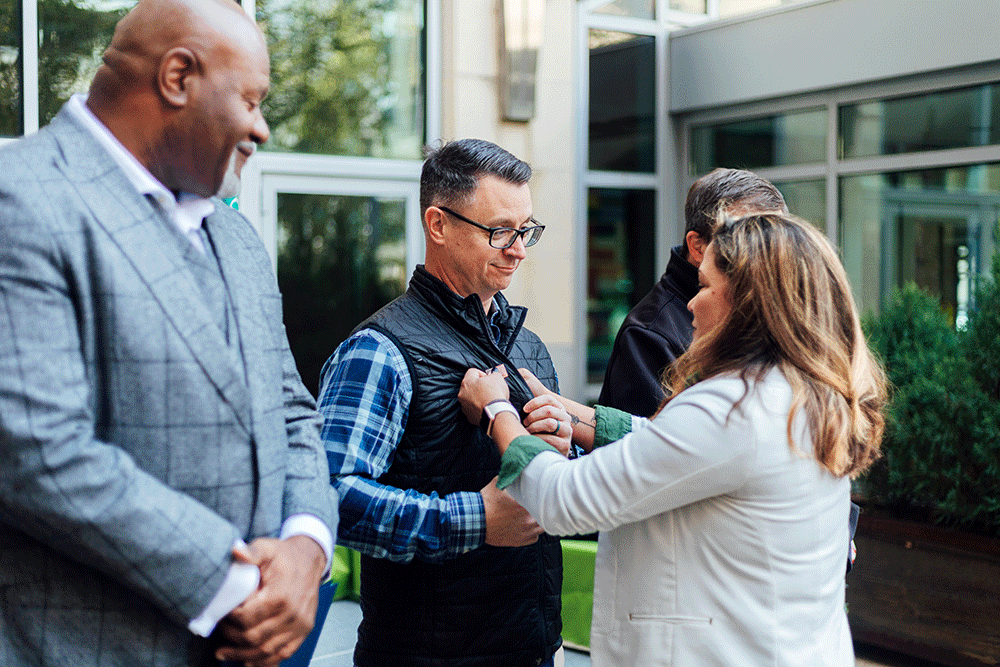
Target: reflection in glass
[(951, 119), (620, 265), (639, 9), (772, 141), (932, 227), (622, 129), (72, 36), (347, 78), (340, 259), (806, 199), (11, 71)]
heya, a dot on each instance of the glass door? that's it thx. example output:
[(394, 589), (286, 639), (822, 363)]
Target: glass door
[(937, 248), (343, 248)]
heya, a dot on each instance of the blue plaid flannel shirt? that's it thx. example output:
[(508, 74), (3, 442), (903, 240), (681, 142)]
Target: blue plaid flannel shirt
[(365, 390)]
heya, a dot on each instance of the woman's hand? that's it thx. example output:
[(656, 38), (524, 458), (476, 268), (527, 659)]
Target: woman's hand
[(534, 384), (481, 387), (583, 420), (547, 418)]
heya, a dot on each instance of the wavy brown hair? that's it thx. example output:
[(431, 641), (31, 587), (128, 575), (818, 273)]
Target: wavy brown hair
[(792, 308)]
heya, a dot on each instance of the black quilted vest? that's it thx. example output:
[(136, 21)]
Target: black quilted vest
[(490, 607)]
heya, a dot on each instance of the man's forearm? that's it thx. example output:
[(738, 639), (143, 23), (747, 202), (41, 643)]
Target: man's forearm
[(400, 526)]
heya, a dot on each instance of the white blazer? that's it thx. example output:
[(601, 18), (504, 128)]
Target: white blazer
[(719, 544)]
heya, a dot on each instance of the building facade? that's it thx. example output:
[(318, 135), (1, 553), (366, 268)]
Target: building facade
[(879, 121)]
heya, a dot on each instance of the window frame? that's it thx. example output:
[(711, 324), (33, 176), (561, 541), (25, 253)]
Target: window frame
[(362, 175), (666, 20), (29, 59), (833, 168), (378, 173)]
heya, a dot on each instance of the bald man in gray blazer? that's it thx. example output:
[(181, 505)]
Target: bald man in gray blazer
[(164, 496)]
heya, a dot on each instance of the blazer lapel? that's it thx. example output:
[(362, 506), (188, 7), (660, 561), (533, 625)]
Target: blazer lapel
[(245, 294), (140, 231)]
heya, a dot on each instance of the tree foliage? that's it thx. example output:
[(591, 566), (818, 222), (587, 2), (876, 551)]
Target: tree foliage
[(72, 39), (72, 36), (332, 76), (11, 64)]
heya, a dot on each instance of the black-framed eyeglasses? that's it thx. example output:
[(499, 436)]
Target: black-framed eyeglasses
[(502, 238)]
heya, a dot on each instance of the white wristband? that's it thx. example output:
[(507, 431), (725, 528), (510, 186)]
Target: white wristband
[(494, 408)]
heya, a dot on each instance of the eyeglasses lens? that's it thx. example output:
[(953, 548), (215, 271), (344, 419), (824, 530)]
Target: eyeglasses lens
[(533, 235), (505, 238)]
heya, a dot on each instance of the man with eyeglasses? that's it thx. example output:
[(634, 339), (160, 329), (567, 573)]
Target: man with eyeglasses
[(453, 571)]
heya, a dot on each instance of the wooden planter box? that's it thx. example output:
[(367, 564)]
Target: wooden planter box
[(925, 591)]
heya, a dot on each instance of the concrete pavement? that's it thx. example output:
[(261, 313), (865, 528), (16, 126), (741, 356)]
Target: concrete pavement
[(336, 644)]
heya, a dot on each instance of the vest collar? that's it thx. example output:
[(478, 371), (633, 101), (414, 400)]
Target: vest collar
[(466, 314)]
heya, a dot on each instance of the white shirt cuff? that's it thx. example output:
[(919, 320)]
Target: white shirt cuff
[(240, 582), (242, 579), (310, 526), (637, 422)]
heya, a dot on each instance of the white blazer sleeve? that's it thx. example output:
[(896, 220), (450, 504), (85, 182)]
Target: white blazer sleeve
[(696, 448)]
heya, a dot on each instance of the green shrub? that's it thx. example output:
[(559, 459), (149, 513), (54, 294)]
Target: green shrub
[(980, 346), (981, 341), (941, 452)]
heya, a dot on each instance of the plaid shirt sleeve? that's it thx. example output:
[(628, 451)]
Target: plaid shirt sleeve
[(365, 391)]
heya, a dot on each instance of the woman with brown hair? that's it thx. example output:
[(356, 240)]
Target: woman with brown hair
[(723, 517)]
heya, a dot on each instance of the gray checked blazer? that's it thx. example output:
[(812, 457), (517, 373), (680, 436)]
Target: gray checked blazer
[(135, 445)]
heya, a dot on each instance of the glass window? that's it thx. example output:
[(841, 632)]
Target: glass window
[(951, 119), (689, 6), (931, 227), (730, 8), (640, 9), (620, 266), (340, 258), (622, 128), (347, 78), (772, 141), (11, 71), (72, 37), (806, 199)]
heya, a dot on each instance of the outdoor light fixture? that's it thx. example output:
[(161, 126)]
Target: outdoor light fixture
[(521, 31)]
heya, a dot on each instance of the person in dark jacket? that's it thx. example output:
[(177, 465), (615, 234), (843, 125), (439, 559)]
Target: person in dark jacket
[(453, 571), (658, 329)]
